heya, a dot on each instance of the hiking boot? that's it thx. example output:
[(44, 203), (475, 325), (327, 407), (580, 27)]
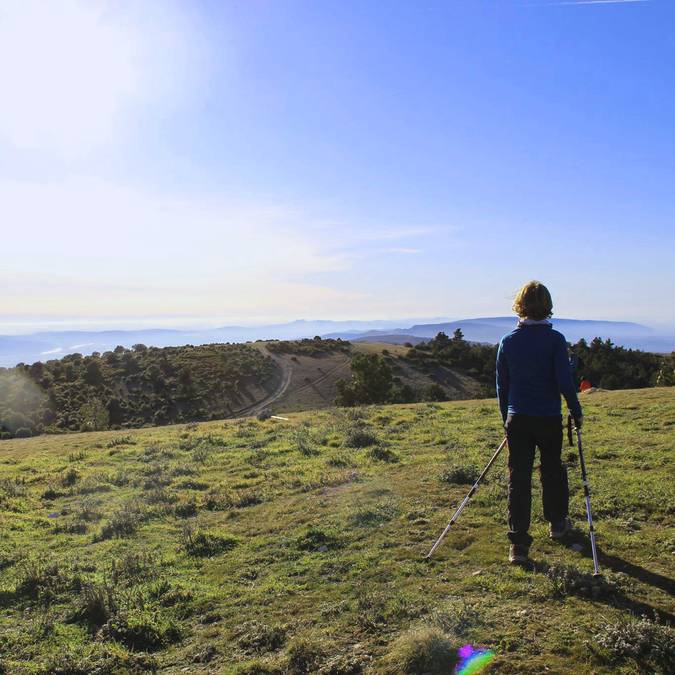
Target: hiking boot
[(559, 530), (518, 554)]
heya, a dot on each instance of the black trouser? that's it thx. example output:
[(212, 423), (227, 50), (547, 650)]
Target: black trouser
[(524, 433)]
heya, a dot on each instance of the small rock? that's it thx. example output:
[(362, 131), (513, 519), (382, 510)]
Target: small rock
[(476, 573), (522, 612), (323, 548), (577, 547)]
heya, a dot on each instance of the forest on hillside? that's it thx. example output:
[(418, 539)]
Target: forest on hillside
[(131, 388)]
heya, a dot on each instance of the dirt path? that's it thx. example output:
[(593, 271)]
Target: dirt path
[(255, 408)]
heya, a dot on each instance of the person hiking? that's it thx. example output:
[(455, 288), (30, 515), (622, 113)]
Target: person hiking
[(532, 371)]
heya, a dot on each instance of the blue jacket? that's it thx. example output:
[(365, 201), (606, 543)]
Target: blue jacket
[(533, 370)]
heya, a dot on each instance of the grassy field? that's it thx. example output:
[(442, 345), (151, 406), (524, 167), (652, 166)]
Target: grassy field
[(297, 546)]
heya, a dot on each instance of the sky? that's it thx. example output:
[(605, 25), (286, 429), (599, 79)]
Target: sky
[(194, 163)]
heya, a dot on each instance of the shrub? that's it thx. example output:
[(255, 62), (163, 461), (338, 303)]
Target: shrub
[(424, 650), (23, 432), (645, 641)]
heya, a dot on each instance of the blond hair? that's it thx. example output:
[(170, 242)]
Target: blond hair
[(533, 301)]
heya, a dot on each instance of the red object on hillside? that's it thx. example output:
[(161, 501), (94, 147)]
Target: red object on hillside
[(585, 385)]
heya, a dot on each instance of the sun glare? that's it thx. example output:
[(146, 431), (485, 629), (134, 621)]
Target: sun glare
[(67, 71)]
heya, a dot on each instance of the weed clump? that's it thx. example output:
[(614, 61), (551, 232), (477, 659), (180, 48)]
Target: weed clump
[(460, 475), (123, 522), (98, 603), (120, 440), (425, 650), (647, 642), (381, 453), (203, 544), (360, 436), (141, 630), (570, 581), (186, 509), (44, 581), (302, 441), (305, 656), (254, 637), (316, 539), (70, 477)]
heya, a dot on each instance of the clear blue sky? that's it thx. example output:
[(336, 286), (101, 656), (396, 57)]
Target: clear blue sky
[(250, 161)]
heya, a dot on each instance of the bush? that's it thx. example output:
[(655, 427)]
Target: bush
[(645, 641), (23, 432), (423, 651)]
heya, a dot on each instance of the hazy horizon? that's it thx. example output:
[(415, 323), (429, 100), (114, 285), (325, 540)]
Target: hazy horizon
[(10, 327)]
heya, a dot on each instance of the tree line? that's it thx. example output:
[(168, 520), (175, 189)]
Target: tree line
[(601, 362)]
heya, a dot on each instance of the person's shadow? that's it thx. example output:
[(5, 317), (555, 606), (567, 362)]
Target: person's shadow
[(615, 596)]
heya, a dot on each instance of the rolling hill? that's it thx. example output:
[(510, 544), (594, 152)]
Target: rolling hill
[(149, 385), (292, 547)]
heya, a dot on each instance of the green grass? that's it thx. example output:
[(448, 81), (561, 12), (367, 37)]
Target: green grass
[(288, 547)]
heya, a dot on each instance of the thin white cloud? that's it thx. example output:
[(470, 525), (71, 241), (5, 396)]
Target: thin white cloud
[(86, 248), (394, 233), (401, 250), (52, 351)]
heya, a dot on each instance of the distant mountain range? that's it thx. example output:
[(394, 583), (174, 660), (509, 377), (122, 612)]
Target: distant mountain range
[(55, 344), (491, 329)]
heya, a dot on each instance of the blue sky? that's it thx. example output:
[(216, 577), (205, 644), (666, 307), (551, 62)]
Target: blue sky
[(171, 163)]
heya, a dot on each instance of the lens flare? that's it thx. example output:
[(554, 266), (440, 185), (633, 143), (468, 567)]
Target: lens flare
[(472, 660)]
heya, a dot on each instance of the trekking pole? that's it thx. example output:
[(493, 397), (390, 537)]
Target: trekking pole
[(587, 492), (466, 500)]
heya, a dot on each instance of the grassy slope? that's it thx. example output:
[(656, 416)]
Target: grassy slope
[(332, 553)]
